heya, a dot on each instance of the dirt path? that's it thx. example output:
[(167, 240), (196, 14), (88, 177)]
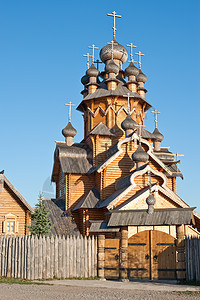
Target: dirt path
[(92, 290)]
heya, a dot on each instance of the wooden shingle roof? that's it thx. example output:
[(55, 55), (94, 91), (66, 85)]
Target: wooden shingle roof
[(62, 222), (167, 216)]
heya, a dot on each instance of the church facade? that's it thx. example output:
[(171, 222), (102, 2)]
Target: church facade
[(119, 182)]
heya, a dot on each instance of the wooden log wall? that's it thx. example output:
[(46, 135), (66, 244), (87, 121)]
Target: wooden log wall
[(192, 258), (79, 185), (10, 204), (30, 257)]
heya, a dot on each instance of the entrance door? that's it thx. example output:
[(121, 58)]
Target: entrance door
[(111, 265), (152, 255), (138, 255)]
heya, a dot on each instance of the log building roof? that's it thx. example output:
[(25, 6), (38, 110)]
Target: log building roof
[(62, 222)]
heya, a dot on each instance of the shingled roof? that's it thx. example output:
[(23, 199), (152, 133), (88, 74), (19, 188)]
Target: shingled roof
[(140, 217), (101, 129), (62, 222), (75, 159), (90, 200), (121, 90)]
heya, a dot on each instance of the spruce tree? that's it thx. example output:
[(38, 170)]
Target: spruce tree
[(41, 223)]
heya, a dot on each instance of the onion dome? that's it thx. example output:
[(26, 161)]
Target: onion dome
[(128, 123), (159, 136), (111, 67), (92, 71), (69, 130), (141, 77), (140, 155), (131, 70), (119, 52), (85, 79), (150, 200)]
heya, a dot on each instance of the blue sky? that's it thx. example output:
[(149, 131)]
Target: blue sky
[(41, 63)]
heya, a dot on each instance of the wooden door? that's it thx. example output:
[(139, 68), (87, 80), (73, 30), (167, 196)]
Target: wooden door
[(111, 265), (139, 255), (163, 255), (151, 255)]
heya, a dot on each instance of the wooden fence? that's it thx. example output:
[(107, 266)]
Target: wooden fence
[(30, 257), (192, 258)]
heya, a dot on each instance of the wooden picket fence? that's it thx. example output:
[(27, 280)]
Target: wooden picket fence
[(192, 258), (30, 257)]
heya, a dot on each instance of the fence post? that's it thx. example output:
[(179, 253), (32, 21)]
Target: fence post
[(181, 252), (101, 256), (48, 258)]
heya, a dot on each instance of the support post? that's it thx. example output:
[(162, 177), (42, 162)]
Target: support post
[(124, 254), (101, 256), (180, 229)]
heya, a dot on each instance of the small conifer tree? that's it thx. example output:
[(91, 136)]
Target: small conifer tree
[(41, 223)]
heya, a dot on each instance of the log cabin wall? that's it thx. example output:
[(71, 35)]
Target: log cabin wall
[(79, 185), (111, 118), (12, 210), (60, 185)]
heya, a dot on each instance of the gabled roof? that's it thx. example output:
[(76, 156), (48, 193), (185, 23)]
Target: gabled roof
[(121, 90), (90, 200), (101, 129), (62, 222), (4, 179)]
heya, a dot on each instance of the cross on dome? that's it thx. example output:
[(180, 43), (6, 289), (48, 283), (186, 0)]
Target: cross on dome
[(140, 132), (98, 62), (128, 96), (93, 47), (88, 59), (155, 112), (149, 179), (177, 161), (114, 15), (70, 109), (139, 55), (131, 52)]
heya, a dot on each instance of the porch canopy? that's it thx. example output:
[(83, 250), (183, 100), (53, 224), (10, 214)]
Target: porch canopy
[(140, 217)]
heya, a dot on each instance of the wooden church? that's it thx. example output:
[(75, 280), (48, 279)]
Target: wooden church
[(119, 182)]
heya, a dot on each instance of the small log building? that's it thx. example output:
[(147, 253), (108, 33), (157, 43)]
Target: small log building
[(15, 211), (119, 182)]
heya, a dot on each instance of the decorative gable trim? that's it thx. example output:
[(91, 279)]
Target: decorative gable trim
[(1, 185)]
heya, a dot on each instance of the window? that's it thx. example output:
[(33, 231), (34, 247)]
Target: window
[(10, 224), (10, 227)]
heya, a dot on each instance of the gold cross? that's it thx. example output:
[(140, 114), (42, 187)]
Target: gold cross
[(128, 96), (93, 47), (70, 109), (114, 15), (139, 55), (155, 112), (131, 54), (88, 59)]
